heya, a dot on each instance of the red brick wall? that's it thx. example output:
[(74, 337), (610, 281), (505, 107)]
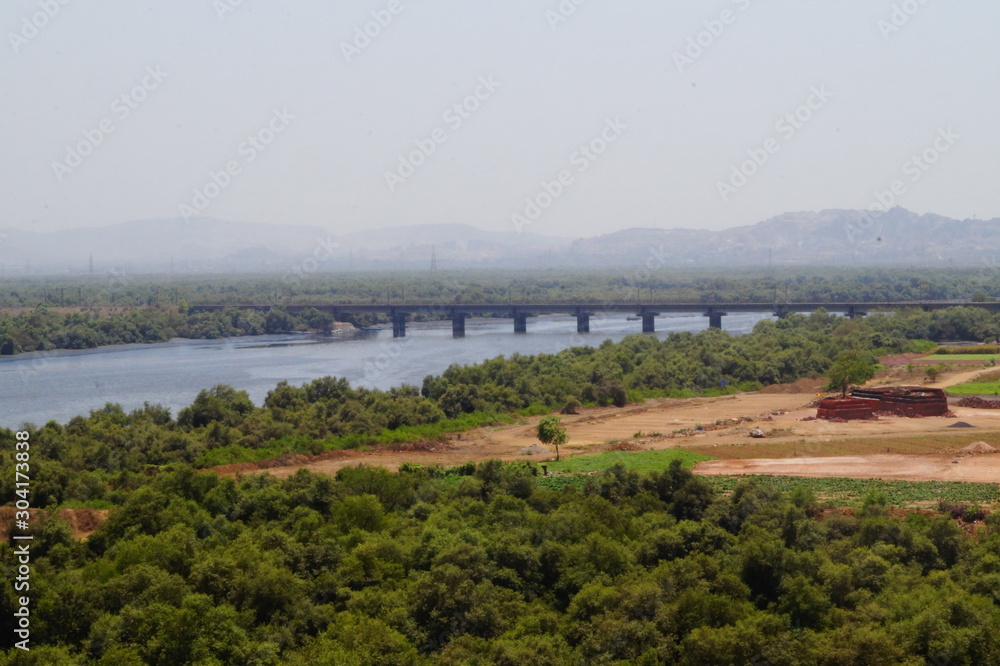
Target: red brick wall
[(849, 409)]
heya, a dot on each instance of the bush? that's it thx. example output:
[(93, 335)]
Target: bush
[(572, 406)]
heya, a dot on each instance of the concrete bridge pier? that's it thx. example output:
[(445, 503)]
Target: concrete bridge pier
[(520, 323), (583, 322), (780, 311), (458, 324), (399, 324), (649, 322), (853, 312), (715, 317)]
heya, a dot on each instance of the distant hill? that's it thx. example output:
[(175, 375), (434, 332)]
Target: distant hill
[(824, 238), (212, 245), (830, 237)]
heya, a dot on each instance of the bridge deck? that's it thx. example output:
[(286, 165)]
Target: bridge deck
[(457, 312)]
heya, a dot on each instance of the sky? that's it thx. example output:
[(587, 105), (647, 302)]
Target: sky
[(565, 118)]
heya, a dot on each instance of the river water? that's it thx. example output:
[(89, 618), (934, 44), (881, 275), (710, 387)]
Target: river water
[(59, 385)]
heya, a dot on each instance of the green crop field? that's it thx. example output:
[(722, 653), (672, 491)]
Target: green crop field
[(975, 388), (639, 461), (850, 492), (831, 492)]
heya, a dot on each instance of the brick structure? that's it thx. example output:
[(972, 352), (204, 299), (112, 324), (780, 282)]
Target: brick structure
[(906, 400), (911, 401), (849, 409)]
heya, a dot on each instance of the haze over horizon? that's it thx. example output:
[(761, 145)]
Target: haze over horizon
[(246, 111)]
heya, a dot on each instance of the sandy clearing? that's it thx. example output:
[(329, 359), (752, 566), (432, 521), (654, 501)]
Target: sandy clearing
[(943, 467), (590, 432), (593, 429)]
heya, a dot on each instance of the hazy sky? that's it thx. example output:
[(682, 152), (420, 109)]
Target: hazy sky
[(114, 111)]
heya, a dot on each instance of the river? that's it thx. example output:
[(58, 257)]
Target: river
[(59, 385)]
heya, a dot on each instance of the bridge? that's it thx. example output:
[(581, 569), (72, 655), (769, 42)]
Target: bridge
[(400, 313)]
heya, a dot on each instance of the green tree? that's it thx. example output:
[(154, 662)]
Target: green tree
[(852, 367), (549, 432)]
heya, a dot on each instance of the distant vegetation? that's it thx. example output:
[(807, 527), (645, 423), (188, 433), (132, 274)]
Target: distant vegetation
[(626, 284), (43, 328), (123, 309)]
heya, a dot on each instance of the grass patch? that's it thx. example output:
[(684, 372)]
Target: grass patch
[(561, 483), (967, 349), (639, 461), (975, 388), (302, 444), (537, 409), (800, 448), (851, 492)]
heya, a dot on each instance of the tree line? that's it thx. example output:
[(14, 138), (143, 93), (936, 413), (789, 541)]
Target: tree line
[(600, 285), (43, 328), (485, 565)]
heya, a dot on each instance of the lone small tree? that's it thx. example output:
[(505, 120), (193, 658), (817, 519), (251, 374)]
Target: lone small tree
[(852, 367), (549, 432)]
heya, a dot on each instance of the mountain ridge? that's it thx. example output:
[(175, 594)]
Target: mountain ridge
[(827, 237)]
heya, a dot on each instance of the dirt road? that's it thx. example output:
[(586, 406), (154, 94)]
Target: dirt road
[(941, 467)]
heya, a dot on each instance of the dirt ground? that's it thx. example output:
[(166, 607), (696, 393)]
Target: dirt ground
[(984, 468), (720, 427), (714, 426), (83, 522)]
